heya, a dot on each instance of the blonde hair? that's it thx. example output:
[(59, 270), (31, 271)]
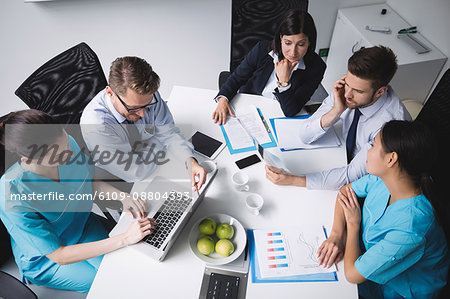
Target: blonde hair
[(134, 73)]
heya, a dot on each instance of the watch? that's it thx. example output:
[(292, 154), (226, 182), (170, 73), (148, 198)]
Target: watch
[(282, 84)]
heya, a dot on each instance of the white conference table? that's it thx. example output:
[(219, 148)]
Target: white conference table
[(126, 273)]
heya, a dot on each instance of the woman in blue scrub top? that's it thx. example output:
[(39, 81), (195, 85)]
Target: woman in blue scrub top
[(403, 253), (56, 240)]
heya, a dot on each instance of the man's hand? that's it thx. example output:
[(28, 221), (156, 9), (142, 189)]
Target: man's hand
[(331, 251), (279, 177), (329, 118), (283, 69), (339, 96), (198, 174), (222, 110)]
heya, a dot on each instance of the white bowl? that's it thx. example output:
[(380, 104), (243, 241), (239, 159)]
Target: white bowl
[(239, 240)]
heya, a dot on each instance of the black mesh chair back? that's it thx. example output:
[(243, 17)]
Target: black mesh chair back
[(65, 84), (11, 287), (436, 114), (255, 20)]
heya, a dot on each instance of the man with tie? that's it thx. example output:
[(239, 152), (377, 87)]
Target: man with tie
[(128, 127), (363, 101)]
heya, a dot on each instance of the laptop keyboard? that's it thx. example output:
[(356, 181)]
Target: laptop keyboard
[(167, 217)]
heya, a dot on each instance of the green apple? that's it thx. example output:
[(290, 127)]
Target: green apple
[(207, 226), (205, 245), (224, 247), (225, 231)]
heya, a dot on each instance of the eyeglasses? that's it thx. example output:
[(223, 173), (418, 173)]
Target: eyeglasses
[(131, 110)]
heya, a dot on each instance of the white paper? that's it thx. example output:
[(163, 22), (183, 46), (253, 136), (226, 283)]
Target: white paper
[(273, 160), (254, 125), (289, 252), (237, 135), (288, 132)]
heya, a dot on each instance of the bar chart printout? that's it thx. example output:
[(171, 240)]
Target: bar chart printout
[(289, 252)]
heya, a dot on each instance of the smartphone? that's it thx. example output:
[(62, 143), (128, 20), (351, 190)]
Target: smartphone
[(245, 162)]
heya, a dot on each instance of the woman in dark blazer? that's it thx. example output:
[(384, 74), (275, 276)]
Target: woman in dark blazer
[(286, 69)]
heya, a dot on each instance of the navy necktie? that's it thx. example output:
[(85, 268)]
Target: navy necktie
[(351, 137)]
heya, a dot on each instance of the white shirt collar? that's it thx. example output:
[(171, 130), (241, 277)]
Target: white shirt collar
[(300, 65)]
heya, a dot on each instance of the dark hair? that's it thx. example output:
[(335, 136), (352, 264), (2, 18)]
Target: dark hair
[(377, 64), (134, 73), (417, 152), (295, 22), (18, 131)]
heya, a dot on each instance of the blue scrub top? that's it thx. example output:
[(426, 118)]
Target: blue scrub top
[(406, 250), (39, 227)]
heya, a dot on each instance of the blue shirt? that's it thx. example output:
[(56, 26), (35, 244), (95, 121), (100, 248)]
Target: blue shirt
[(103, 128), (388, 107), (39, 227), (406, 250)]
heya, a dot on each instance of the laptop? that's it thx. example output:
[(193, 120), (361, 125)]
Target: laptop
[(171, 209)]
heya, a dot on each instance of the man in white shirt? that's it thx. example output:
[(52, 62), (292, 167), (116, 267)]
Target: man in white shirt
[(128, 127), (364, 102)]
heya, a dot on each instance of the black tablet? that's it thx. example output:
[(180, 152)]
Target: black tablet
[(206, 145)]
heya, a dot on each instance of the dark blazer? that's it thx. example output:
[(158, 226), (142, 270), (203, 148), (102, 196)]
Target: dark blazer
[(254, 71)]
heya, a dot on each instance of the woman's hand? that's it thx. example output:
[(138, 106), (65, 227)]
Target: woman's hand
[(136, 207), (138, 230), (222, 110), (331, 251), (350, 205), (283, 69)]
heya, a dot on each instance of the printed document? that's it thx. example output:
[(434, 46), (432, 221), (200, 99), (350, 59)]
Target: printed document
[(289, 137), (289, 252)]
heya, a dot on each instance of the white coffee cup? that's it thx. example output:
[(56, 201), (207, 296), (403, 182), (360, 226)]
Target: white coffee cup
[(254, 203), (240, 181)]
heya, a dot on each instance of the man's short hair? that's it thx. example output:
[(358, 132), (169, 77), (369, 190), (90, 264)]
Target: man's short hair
[(134, 73), (377, 64)]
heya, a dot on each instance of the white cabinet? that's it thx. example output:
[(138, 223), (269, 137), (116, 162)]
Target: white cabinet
[(416, 72)]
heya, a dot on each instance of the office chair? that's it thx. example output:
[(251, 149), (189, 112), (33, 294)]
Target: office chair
[(62, 87), (65, 84), (252, 21), (255, 20), (436, 114), (14, 288)]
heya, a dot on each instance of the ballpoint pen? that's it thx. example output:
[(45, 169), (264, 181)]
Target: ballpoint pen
[(263, 120)]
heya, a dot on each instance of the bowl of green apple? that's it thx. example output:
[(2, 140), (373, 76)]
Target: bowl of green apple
[(217, 239)]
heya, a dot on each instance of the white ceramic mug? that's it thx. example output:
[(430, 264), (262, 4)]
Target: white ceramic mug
[(254, 203), (240, 181)]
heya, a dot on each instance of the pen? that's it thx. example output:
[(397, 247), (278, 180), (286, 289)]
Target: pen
[(325, 231), (263, 120)]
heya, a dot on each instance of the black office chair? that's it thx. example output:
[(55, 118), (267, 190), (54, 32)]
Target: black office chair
[(12, 288), (62, 87), (252, 21), (65, 84), (436, 114)]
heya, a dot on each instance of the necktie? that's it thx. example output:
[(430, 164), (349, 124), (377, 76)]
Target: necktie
[(133, 134), (351, 137)]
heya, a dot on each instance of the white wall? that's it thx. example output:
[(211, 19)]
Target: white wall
[(432, 18), (187, 42)]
